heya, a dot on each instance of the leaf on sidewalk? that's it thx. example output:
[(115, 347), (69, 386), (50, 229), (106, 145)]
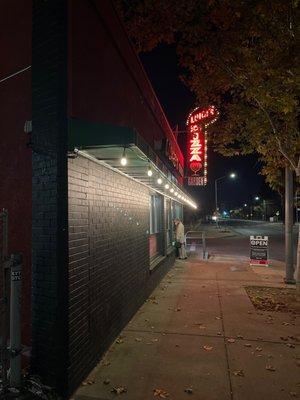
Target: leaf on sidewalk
[(119, 390), (239, 372), (138, 339), (161, 393), (270, 368), (106, 382), (291, 345), (248, 345), (189, 390), (231, 340), (258, 348), (293, 394), (208, 348), (119, 341)]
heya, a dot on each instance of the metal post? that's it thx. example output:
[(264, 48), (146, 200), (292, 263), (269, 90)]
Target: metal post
[(203, 246), (5, 312), (216, 194), (15, 319), (289, 264)]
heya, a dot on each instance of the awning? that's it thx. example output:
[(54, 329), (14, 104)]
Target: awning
[(108, 144)]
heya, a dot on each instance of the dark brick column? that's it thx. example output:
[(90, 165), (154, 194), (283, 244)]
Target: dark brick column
[(49, 193)]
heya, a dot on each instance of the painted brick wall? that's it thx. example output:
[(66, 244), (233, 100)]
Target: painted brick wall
[(49, 192), (108, 259)]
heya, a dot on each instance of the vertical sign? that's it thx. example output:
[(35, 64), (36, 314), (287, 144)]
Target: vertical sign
[(197, 123), (259, 246)]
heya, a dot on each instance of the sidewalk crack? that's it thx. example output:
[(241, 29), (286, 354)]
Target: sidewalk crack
[(224, 339)]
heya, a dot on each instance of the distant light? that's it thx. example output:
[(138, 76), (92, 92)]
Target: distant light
[(256, 198), (232, 175), (149, 172), (224, 213), (176, 194), (172, 190), (214, 217), (245, 205), (167, 186)]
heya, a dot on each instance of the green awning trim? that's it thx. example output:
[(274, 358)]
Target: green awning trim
[(84, 134)]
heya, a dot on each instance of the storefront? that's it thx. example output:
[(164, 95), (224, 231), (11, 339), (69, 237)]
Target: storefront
[(101, 226)]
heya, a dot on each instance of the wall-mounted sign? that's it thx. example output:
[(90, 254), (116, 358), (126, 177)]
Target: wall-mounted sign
[(259, 249), (197, 123)]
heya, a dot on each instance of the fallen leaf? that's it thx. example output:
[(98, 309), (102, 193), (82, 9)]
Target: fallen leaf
[(286, 323), (188, 390), (293, 394), (207, 348), (248, 345), (258, 349), (231, 340), (119, 341), (291, 345), (138, 339), (163, 394), (106, 382), (119, 390), (239, 372), (270, 368)]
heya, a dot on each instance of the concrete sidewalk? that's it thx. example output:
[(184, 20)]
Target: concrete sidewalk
[(199, 336)]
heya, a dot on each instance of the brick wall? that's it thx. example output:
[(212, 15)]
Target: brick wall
[(49, 192), (108, 259)]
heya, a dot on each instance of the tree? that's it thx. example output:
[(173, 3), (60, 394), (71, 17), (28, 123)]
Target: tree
[(240, 56)]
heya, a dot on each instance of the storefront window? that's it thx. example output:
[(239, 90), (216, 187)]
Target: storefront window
[(156, 218), (177, 210), (169, 226)]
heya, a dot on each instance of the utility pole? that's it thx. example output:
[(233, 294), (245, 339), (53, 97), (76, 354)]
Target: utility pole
[(289, 262)]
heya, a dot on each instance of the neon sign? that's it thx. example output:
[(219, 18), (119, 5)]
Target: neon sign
[(197, 122)]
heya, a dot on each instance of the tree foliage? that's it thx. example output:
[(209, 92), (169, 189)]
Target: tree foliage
[(240, 56)]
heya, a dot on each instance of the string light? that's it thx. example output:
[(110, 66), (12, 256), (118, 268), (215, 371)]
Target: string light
[(123, 160), (159, 181), (167, 186)]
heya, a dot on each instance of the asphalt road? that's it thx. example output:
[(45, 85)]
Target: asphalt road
[(238, 244)]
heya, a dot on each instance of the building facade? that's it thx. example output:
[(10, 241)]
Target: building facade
[(107, 177)]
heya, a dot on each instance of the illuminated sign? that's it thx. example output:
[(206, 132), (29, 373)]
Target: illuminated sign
[(197, 122)]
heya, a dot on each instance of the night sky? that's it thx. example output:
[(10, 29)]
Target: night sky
[(163, 71)]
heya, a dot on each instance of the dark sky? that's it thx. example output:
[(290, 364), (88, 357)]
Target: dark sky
[(162, 68)]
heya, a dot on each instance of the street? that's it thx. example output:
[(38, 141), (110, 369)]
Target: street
[(238, 242)]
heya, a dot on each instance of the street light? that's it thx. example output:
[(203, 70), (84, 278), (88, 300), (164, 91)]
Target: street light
[(232, 175), (256, 198)]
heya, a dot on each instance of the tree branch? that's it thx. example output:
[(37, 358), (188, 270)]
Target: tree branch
[(295, 167)]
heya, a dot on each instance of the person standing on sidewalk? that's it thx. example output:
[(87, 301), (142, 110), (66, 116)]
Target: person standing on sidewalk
[(180, 239)]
